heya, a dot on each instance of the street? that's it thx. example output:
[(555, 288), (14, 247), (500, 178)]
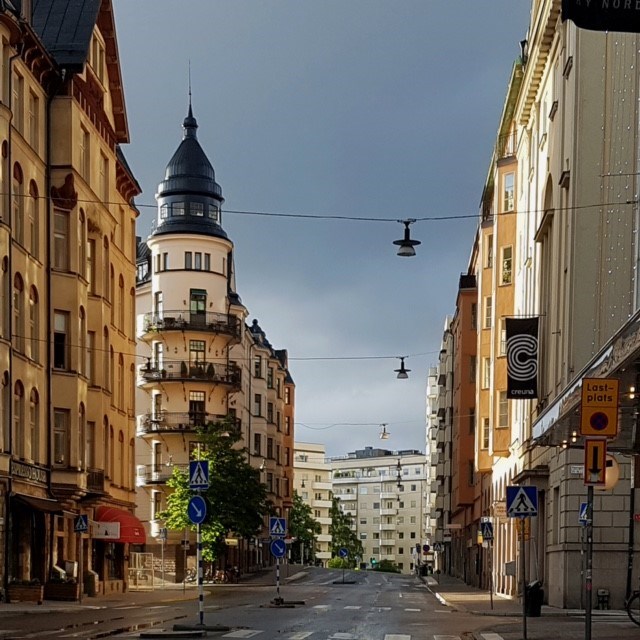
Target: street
[(377, 606)]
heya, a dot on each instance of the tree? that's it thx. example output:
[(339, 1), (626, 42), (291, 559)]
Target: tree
[(302, 527), (342, 534), (237, 500)]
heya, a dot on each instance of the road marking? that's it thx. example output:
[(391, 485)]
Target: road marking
[(397, 636), (242, 633), (321, 606), (458, 637), (412, 609), (342, 636), (133, 606), (491, 636), (300, 635), (382, 608), (353, 606)]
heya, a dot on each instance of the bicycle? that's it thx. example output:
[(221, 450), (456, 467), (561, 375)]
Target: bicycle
[(632, 606)]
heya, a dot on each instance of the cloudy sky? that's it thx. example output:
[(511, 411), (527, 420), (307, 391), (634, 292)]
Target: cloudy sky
[(375, 109)]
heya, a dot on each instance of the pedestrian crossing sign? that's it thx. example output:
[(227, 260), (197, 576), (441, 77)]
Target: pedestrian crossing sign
[(583, 516), (198, 474), (522, 502), (81, 524), (277, 527)]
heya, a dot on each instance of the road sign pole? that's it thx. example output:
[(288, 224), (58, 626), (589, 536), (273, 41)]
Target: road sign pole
[(588, 573), (80, 572), (523, 577), (200, 576), (278, 599)]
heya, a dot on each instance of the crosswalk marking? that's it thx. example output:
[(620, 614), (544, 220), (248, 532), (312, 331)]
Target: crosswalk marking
[(242, 633), (491, 636), (342, 636), (412, 609), (321, 606), (396, 636), (300, 635), (353, 606)]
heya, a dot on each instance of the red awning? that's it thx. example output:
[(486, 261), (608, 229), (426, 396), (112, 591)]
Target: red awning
[(131, 529)]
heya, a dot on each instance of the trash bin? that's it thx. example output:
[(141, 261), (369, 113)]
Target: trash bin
[(535, 595)]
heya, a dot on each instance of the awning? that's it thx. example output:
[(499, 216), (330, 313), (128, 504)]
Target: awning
[(131, 529), (39, 504)]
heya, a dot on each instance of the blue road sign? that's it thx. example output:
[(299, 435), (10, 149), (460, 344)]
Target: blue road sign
[(278, 548), (582, 517), (197, 509), (81, 524), (277, 527), (486, 528), (343, 552), (522, 502), (198, 475)]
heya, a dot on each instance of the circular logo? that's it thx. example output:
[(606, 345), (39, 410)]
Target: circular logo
[(599, 421), (522, 351)]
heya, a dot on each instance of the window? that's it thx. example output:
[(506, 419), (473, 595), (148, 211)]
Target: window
[(257, 404), (287, 425), (17, 100), (287, 395), (207, 262), (157, 304), (506, 262), (61, 240), (104, 178), (257, 366), (270, 448), (485, 434), (488, 312), (489, 251), (18, 313), (196, 209), (270, 377), (214, 212), (508, 202), (503, 410), (177, 209), (474, 315), (197, 263), (164, 211), (472, 420), (121, 315), (486, 373), (502, 346), (18, 418), (473, 368), (363, 535), (270, 412), (33, 133), (188, 260), (34, 431), (84, 164), (61, 340), (196, 352), (33, 221), (17, 204), (61, 437), (156, 504), (90, 358), (91, 266), (470, 472), (34, 333)]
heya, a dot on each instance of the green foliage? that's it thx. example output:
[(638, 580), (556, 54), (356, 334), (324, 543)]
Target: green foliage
[(303, 527), (236, 499), (387, 566), (338, 563), (342, 536)]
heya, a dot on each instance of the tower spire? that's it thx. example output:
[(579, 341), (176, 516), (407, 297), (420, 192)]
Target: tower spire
[(190, 124)]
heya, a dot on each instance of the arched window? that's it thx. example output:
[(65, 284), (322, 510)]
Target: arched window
[(105, 445), (18, 313), (121, 314), (33, 214), (34, 326), (17, 203), (105, 269), (4, 296), (82, 243), (106, 374), (132, 389), (82, 428), (132, 315), (121, 398), (131, 466), (34, 426), (5, 400), (112, 455), (123, 463), (18, 419), (112, 372), (82, 356), (112, 293)]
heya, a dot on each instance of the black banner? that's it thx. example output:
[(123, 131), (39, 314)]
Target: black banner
[(603, 15), (522, 358)]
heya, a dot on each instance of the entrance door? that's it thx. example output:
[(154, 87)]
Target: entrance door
[(198, 307)]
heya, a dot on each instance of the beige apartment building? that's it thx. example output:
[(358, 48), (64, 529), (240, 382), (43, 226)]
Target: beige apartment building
[(67, 354), (313, 484), (199, 362), (384, 493)]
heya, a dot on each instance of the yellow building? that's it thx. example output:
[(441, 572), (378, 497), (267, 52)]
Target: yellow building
[(67, 243)]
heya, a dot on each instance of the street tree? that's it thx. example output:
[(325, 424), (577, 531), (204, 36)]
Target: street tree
[(342, 534), (236, 499), (303, 528)]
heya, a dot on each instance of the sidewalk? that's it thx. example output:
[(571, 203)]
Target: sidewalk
[(552, 623)]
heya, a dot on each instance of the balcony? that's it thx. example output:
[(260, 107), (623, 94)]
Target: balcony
[(175, 422), (388, 495), (322, 486), (388, 542), (157, 473), (183, 320), (95, 480), (387, 527), (181, 371), (388, 512)]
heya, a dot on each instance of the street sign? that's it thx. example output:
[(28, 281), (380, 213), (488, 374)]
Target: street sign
[(278, 548), (599, 413), (277, 527), (197, 509), (437, 547), (163, 534), (198, 475), (486, 528), (595, 461), (81, 524), (582, 516), (343, 552), (522, 502)]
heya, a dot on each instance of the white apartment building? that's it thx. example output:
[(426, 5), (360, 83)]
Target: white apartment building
[(312, 482), (384, 492)]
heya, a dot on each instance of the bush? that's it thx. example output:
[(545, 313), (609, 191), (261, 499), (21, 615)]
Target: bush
[(338, 563), (387, 566)]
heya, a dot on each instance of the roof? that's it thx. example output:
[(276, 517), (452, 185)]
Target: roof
[(65, 28)]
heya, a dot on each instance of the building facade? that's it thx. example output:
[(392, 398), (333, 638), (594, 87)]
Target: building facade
[(313, 484), (384, 492), (67, 249), (199, 362)]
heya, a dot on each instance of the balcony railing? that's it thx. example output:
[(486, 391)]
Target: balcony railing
[(157, 473), (95, 480), (167, 421), (184, 320), (214, 372)]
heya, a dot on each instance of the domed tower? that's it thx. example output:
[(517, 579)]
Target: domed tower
[(189, 318)]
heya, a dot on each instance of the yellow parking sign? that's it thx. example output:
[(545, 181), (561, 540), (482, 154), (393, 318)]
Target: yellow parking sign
[(599, 413)]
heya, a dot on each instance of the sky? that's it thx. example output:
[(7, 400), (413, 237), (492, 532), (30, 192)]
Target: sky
[(383, 110)]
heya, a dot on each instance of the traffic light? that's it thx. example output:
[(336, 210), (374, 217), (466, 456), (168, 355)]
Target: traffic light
[(373, 562)]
